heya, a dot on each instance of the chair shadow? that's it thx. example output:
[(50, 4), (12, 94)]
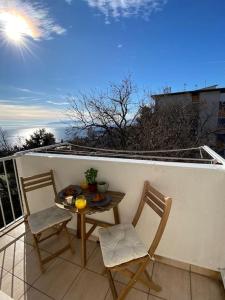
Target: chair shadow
[(9, 281)]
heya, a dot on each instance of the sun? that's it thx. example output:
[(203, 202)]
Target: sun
[(15, 27)]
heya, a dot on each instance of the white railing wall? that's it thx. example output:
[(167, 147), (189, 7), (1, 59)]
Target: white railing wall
[(195, 231)]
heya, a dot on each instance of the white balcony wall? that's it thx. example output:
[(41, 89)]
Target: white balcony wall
[(196, 226)]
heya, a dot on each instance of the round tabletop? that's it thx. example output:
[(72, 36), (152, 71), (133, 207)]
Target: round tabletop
[(116, 197)]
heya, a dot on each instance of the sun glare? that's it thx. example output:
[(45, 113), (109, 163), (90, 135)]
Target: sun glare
[(15, 27)]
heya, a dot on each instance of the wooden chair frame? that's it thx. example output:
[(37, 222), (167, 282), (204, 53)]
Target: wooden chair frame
[(161, 205), (37, 182)]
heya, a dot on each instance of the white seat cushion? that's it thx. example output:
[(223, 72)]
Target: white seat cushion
[(47, 218), (120, 244)]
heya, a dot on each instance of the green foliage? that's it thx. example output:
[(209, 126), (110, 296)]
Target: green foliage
[(39, 138), (91, 175)]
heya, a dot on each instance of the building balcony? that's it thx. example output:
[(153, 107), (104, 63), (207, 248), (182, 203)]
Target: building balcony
[(188, 259)]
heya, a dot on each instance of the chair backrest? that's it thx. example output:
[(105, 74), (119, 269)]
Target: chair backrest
[(161, 205), (37, 182)]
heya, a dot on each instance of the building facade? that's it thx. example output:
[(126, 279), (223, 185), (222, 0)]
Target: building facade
[(210, 104)]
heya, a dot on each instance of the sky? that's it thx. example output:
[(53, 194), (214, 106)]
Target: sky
[(50, 50)]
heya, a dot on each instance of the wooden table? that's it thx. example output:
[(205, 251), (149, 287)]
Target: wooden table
[(82, 218)]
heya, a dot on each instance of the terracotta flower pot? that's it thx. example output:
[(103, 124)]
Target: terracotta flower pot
[(92, 187)]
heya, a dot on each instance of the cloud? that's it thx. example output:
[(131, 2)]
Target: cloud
[(13, 113), (57, 103), (25, 90), (37, 23), (29, 101), (69, 1), (119, 46), (6, 101), (126, 8)]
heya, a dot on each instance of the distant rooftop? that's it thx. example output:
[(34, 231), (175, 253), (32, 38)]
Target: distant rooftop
[(211, 88)]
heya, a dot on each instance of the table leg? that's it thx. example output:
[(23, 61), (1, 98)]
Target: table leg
[(78, 226), (83, 240), (116, 215)]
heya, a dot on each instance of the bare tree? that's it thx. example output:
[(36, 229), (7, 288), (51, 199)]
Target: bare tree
[(115, 119), (106, 116), (4, 143), (173, 126)]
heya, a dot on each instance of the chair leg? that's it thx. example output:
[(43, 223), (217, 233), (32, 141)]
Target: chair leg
[(111, 283), (147, 282), (69, 240), (38, 253), (132, 281), (38, 236)]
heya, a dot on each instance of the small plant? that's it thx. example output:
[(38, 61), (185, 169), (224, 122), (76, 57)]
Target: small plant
[(91, 175)]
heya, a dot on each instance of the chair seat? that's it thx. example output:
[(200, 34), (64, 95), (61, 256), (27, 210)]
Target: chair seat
[(47, 218), (120, 244)]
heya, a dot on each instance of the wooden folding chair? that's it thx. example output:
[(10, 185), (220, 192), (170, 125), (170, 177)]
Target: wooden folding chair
[(53, 217), (121, 246)]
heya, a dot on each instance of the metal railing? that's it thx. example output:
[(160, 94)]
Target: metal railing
[(11, 207)]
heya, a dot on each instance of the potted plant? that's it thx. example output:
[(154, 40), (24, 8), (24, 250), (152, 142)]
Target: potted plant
[(102, 186), (91, 175)]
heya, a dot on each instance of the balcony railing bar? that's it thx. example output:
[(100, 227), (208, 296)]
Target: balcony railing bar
[(8, 189), (135, 151), (195, 154), (9, 227), (123, 155), (214, 154), (3, 215), (9, 192), (44, 148), (72, 149), (18, 185)]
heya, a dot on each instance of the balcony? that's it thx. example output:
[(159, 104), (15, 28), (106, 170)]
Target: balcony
[(189, 256)]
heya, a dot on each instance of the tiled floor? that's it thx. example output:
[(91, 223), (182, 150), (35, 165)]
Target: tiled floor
[(64, 278)]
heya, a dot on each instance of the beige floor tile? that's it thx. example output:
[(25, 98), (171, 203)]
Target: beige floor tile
[(13, 286), (2, 274), (151, 297), (121, 278), (95, 262), (57, 279), (33, 294), (21, 229), (88, 286), (55, 242), (13, 254), (5, 240), (76, 257), (4, 296), (29, 269), (175, 283), (27, 238), (132, 295), (204, 288)]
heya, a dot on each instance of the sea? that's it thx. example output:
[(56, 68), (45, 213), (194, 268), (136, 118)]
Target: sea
[(17, 135)]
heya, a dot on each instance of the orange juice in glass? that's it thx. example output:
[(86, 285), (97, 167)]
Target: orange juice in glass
[(84, 185), (80, 202)]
